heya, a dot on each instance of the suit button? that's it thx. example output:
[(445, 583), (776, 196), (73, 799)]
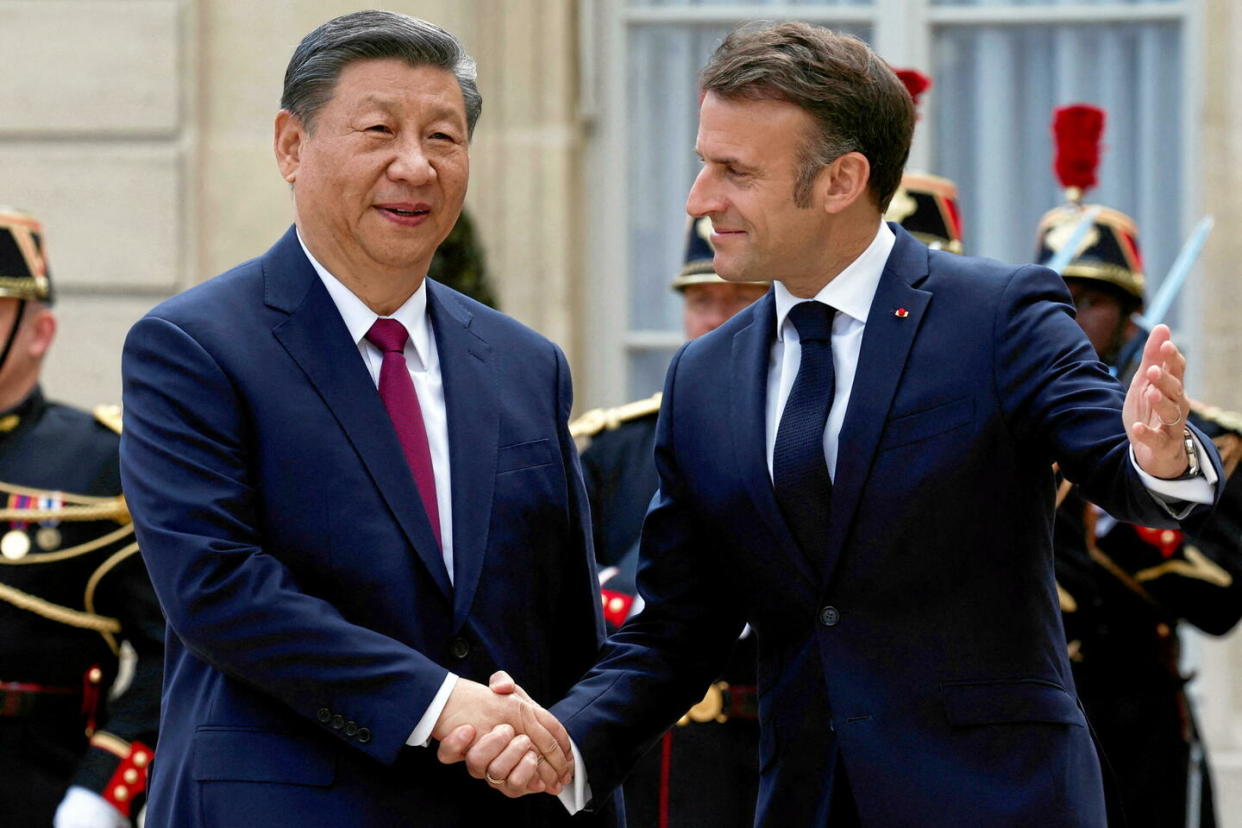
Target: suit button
[(351, 728), (460, 648), (364, 735), (829, 616), (324, 715), (338, 721)]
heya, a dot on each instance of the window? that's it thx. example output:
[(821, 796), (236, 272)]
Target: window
[(999, 68)]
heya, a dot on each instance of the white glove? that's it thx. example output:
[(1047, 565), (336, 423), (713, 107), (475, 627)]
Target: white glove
[(82, 808)]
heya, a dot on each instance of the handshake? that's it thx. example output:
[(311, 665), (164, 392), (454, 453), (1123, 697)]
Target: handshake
[(504, 737)]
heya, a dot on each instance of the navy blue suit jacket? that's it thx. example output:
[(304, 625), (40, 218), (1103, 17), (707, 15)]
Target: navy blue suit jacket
[(311, 619), (921, 644)]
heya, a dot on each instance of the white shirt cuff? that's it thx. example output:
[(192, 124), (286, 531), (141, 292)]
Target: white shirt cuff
[(83, 808), (421, 737), (577, 793), (1178, 497)]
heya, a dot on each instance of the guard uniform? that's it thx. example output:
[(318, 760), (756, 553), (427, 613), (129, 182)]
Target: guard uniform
[(1124, 592), (1125, 589), (74, 596)]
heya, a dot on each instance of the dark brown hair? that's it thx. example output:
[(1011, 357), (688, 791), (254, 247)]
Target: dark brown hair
[(853, 95)]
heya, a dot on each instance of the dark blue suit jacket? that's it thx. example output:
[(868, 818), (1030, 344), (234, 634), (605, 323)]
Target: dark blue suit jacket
[(922, 643), (311, 619)]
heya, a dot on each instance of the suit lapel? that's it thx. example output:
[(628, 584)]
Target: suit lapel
[(886, 344), (752, 347), (316, 339), (471, 398)]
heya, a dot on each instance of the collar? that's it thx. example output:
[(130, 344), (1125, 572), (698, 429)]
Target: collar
[(27, 409), (359, 318), (853, 289)]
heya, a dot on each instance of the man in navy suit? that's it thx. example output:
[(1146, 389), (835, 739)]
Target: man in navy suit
[(860, 465), (355, 488)]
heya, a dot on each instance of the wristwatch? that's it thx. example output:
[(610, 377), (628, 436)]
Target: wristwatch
[(1192, 456)]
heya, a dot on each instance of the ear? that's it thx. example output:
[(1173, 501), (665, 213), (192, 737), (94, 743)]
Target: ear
[(845, 181), (42, 332), (289, 137)]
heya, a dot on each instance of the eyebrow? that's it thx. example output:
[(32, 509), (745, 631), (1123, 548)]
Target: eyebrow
[(727, 161)]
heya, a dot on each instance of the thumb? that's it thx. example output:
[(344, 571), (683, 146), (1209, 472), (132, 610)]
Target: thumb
[(454, 746), (501, 683)]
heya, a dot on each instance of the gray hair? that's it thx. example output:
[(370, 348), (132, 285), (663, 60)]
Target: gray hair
[(373, 35)]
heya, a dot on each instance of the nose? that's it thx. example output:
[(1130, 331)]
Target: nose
[(702, 200), (410, 164)]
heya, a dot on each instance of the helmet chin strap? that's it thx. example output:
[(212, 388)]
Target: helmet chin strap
[(12, 337)]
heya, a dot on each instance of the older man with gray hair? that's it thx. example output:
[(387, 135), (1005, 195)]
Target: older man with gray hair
[(355, 488)]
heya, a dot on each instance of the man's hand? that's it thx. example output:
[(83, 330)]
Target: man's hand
[(1156, 408), (526, 748)]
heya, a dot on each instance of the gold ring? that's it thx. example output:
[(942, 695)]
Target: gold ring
[(497, 782), (1175, 422)]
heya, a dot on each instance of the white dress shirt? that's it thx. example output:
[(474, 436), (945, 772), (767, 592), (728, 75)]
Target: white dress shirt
[(423, 361)]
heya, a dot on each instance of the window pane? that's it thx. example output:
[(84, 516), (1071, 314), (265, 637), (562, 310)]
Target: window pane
[(995, 90), (1051, 3), (758, 4)]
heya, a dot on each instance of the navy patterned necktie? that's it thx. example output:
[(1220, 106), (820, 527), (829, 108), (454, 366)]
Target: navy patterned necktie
[(799, 468)]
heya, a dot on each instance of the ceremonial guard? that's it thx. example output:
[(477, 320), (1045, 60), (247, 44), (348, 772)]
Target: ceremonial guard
[(80, 630), (706, 770), (1124, 589), (925, 205)]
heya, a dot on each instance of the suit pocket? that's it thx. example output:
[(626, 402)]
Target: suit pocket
[(228, 755), (519, 456), (911, 428), (1015, 701)]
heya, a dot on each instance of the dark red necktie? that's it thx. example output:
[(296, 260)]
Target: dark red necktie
[(396, 389)]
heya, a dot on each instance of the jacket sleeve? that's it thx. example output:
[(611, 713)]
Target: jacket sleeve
[(661, 661), (186, 465), (1060, 400)]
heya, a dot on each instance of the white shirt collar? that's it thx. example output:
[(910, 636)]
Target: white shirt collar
[(359, 318), (853, 289)]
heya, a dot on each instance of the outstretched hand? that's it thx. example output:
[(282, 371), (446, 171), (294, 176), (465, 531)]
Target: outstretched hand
[(1156, 407), (504, 737)]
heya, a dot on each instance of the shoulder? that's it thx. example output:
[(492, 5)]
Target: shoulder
[(600, 421), (76, 427), (213, 294), (489, 324)]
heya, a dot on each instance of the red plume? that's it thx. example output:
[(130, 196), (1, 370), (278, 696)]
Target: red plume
[(1077, 129), (916, 83)]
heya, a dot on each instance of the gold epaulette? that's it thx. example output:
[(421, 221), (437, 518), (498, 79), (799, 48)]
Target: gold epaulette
[(600, 419), (109, 415)]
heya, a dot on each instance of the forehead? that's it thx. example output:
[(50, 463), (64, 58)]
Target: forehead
[(393, 83), (749, 128)]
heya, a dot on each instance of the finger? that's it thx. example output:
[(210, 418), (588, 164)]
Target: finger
[(501, 683), (1169, 383), (1155, 340), (558, 732), (1173, 359), (487, 748), (523, 774), (1166, 411), (453, 747), (558, 762), (507, 761)]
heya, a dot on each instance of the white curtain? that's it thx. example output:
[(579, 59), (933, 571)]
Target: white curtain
[(995, 90)]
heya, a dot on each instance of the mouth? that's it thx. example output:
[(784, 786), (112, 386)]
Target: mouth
[(405, 213)]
